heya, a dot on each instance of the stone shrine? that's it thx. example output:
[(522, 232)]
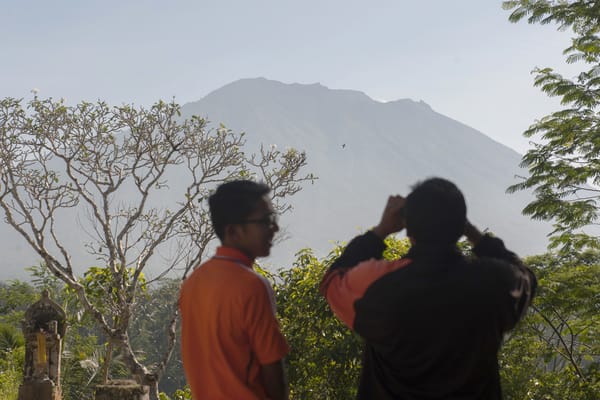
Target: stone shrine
[(44, 329)]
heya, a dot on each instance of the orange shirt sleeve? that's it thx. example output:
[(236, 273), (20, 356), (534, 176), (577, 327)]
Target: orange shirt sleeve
[(266, 340), (343, 287)]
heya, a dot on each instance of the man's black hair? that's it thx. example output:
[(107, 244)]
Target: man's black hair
[(233, 202), (435, 212)]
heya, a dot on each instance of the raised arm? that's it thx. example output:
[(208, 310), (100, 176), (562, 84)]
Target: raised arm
[(360, 264), (370, 245), (520, 280)]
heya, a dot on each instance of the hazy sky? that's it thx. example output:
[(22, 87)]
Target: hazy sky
[(462, 57)]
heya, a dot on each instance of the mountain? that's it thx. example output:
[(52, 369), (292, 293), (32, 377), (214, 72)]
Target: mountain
[(362, 151)]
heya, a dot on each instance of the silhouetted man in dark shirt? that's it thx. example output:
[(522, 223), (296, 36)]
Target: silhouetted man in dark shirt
[(432, 321)]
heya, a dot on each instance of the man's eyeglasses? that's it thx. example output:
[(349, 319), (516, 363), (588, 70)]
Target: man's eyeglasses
[(268, 220)]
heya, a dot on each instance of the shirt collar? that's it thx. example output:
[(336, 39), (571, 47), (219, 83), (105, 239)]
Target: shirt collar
[(235, 255)]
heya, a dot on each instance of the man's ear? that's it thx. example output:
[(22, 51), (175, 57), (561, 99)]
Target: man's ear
[(231, 232)]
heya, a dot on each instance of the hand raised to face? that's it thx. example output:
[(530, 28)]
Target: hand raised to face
[(392, 219)]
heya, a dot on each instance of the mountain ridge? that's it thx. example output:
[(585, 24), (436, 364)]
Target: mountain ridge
[(352, 139), (362, 150)]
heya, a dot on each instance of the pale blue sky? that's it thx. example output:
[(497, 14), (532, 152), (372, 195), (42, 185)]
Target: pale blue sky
[(461, 57)]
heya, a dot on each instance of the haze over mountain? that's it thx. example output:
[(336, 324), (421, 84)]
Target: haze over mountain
[(362, 151)]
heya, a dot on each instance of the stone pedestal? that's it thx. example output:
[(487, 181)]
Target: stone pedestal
[(122, 390), (45, 390)]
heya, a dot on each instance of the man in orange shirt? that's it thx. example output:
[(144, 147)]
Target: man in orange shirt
[(232, 347)]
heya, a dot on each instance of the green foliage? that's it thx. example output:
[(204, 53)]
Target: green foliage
[(564, 167), (11, 374), (15, 297), (325, 357), (97, 283), (555, 351), (150, 331), (554, 354), (10, 338), (79, 367), (330, 369), (180, 394)]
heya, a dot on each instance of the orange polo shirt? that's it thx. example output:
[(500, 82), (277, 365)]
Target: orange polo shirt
[(228, 328)]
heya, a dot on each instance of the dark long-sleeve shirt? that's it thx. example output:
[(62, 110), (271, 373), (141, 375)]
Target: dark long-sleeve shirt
[(432, 321)]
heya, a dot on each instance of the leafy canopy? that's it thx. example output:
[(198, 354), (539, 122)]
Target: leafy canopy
[(564, 166)]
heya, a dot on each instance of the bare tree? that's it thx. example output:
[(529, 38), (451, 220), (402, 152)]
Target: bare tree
[(116, 166)]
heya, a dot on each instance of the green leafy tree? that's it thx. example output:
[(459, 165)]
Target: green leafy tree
[(555, 352), (148, 335), (15, 298), (564, 166), (117, 165)]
